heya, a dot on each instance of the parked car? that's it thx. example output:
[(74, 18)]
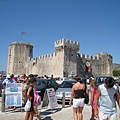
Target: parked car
[(100, 79), (43, 84), (66, 87), (60, 80)]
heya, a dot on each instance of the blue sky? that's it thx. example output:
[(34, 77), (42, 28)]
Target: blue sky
[(93, 23)]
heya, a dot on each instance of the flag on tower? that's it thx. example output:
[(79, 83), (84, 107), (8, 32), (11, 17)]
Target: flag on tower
[(23, 33)]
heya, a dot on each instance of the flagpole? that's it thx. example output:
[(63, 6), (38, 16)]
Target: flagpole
[(21, 36), (22, 33)]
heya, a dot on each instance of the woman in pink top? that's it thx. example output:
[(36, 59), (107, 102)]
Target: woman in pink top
[(94, 89)]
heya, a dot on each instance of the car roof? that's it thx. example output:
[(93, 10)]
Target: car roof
[(69, 80), (102, 76), (43, 79)]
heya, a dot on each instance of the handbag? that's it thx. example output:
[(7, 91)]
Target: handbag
[(27, 105), (86, 100), (86, 96)]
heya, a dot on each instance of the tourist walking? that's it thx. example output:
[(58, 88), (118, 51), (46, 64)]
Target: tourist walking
[(77, 95), (106, 94), (30, 95), (93, 90)]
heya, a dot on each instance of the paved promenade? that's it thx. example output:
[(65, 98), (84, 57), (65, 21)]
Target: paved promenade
[(46, 114)]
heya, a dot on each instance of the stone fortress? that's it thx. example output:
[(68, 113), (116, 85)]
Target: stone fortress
[(64, 62)]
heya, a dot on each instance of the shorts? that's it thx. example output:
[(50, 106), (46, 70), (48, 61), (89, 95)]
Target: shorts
[(78, 102), (106, 116)]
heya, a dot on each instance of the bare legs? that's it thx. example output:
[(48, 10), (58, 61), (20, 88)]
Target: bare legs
[(80, 113), (29, 115), (37, 112), (92, 116), (77, 112)]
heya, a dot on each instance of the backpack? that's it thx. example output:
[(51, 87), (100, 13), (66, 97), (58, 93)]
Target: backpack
[(37, 98)]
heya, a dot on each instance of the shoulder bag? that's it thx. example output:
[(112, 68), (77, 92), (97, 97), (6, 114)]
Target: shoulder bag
[(86, 100), (27, 105)]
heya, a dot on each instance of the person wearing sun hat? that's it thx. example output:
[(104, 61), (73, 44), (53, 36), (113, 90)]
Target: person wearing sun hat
[(6, 81)]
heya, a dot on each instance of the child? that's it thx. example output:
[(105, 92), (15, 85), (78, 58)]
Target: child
[(94, 89)]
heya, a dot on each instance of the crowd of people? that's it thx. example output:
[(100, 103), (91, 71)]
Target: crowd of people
[(28, 93), (103, 98)]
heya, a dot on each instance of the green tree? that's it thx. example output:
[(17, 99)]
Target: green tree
[(116, 72)]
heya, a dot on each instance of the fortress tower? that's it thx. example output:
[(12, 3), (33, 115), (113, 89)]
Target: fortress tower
[(66, 52), (65, 61), (18, 54)]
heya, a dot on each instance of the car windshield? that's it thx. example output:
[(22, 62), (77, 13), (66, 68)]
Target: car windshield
[(67, 84), (100, 79), (41, 83)]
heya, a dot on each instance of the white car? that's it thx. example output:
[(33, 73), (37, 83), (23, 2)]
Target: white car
[(60, 80), (66, 87)]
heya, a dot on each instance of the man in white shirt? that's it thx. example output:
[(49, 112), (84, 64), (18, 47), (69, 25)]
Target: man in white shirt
[(8, 80)]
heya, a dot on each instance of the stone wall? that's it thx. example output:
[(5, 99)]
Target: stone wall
[(116, 66), (18, 54), (64, 61)]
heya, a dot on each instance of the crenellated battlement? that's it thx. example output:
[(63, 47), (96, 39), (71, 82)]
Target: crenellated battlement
[(44, 56), (67, 43), (90, 57), (65, 61), (22, 43)]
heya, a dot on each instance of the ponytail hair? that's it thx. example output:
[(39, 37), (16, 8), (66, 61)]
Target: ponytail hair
[(78, 79)]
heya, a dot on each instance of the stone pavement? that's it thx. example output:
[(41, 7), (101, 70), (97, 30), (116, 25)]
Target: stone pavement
[(46, 114)]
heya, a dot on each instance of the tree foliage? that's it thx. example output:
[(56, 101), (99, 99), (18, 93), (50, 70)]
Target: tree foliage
[(116, 72)]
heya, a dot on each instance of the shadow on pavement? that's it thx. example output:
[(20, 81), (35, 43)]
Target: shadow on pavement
[(10, 110), (49, 111), (47, 118)]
